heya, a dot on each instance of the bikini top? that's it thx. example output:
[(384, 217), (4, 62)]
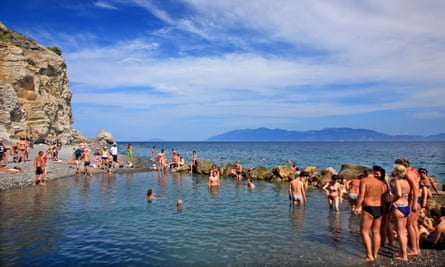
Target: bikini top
[(426, 185)]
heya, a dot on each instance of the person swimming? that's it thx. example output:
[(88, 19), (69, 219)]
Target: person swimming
[(150, 196)]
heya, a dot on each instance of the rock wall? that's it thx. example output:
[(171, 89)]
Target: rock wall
[(35, 99)]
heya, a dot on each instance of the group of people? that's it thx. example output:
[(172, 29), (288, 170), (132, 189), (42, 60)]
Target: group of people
[(163, 164), (18, 152), (385, 204), (104, 158)]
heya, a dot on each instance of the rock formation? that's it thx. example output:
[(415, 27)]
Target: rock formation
[(35, 99), (104, 138)]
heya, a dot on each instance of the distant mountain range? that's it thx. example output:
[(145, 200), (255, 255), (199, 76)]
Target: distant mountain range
[(327, 135)]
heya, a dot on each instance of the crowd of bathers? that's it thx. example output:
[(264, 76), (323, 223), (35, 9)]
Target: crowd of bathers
[(393, 207)]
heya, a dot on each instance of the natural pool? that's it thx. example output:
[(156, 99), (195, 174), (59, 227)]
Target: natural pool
[(106, 220)]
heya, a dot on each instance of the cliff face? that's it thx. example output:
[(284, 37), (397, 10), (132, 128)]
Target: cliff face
[(35, 99)]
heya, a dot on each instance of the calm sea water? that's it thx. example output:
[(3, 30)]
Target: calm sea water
[(104, 220)]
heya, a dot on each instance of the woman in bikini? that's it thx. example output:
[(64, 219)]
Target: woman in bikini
[(400, 208), (213, 180), (426, 185), (333, 192)]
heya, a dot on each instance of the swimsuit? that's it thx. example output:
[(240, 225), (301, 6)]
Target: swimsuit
[(297, 197), (403, 208), (421, 201), (353, 196), (86, 163), (332, 197), (130, 153), (39, 170), (374, 211)]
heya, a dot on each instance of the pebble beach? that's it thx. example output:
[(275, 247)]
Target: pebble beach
[(56, 169)]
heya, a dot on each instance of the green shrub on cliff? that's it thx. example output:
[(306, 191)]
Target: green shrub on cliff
[(56, 50)]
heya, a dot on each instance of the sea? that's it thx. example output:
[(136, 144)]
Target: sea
[(106, 221)]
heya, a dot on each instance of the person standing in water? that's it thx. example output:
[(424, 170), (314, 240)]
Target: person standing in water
[(370, 206), (250, 184), (213, 180), (297, 193), (332, 190), (150, 196)]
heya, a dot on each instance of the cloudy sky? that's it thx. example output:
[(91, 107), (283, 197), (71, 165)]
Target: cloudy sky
[(187, 70)]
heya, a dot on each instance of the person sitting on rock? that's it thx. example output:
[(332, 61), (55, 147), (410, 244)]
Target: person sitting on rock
[(237, 171)]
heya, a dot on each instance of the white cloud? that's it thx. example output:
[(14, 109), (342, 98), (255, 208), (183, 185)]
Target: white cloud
[(104, 5), (388, 55)]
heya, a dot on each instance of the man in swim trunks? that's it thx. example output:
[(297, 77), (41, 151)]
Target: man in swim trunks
[(370, 205), (353, 187), (87, 162), (237, 171), (38, 167), (297, 193), (130, 151)]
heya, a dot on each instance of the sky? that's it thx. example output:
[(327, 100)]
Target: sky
[(187, 70)]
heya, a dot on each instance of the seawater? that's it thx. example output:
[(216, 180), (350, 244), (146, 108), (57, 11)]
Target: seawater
[(103, 220)]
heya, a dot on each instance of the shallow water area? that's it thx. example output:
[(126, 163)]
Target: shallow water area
[(106, 220)]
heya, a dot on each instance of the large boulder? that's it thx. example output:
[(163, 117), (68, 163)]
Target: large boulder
[(326, 176), (350, 171), (437, 201), (284, 172), (226, 169), (204, 166), (259, 173), (104, 138)]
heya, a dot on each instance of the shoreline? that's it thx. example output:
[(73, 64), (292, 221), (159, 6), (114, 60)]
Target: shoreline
[(12, 181), (56, 169)]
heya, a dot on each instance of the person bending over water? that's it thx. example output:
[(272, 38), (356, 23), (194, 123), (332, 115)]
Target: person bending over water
[(370, 206)]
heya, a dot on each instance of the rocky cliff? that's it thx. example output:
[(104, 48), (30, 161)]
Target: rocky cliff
[(35, 99)]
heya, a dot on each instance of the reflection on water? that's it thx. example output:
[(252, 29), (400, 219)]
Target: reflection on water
[(296, 216), (106, 220), (335, 226)]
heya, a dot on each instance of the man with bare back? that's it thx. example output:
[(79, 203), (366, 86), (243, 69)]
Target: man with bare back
[(296, 191)]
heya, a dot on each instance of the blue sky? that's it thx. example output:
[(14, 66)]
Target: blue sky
[(189, 70)]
